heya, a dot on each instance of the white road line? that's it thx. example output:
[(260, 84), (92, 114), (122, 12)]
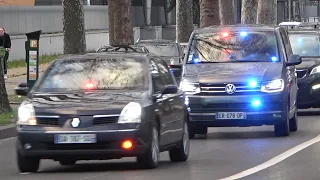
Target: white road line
[(274, 160)]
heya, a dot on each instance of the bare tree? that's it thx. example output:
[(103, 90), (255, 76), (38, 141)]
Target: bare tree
[(73, 27), (120, 22), (249, 11), (209, 13), (196, 12), (4, 102), (184, 16), (226, 12), (267, 12)]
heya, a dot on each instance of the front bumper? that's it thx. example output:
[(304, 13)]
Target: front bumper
[(308, 97), (203, 110), (108, 145)]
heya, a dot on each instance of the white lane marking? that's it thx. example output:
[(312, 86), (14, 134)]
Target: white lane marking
[(274, 160)]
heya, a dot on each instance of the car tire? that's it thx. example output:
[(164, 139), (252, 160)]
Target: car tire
[(181, 152), (150, 159), (67, 162), (27, 164), (282, 129)]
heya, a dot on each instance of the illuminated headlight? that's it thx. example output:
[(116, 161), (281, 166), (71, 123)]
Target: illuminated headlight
[(315, 70), (273, 86), (189, 88), (26, 114), (131, 113)]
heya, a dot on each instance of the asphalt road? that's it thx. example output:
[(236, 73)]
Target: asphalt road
[(225, 152)]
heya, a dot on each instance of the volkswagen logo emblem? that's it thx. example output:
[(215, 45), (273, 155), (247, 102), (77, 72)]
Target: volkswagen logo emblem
[(230, 88), (75, 122)]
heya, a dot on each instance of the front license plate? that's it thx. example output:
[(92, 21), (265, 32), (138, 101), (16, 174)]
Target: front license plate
[(231, 115), (75, 139)]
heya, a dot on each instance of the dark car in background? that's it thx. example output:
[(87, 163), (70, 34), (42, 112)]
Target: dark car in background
[(241, 75), (122, 48), (306, 43), (167, 49), (102, 106)]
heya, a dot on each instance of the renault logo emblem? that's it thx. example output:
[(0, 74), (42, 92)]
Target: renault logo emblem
[(230, 88), (75, 122)]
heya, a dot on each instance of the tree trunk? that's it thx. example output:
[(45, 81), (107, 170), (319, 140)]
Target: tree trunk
[(73, 27), (209, 13), (267, 12), (249, 11), (4, 102), (226, 12), (196, 12), (120, 25), (184, 16)]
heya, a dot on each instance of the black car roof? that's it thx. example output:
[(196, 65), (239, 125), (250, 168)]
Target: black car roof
[(256, 27)]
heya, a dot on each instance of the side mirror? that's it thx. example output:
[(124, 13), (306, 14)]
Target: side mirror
[(170, 89), (294, 60), (22, 89)]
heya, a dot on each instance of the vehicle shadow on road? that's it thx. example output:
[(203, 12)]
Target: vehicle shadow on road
[(85, 167), (237, 135), (309, 113)]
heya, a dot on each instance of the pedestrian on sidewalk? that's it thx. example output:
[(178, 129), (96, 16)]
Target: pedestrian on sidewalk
[(5, 46)]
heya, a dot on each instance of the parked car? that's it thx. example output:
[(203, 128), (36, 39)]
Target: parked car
[(241, 75), (306, 43), (170, 50), (102, 106)]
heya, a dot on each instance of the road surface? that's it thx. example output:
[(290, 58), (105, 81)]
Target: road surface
[(225, 152)]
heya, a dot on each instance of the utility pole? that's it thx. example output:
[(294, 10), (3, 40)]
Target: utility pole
[(289, 9)]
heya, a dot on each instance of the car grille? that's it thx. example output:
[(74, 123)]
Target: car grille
[(105, 120), (48, 121), (301, 73), (233, 107), (220, 89)]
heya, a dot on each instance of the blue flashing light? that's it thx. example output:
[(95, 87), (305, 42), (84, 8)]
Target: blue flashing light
[(256, 103), (253, 83), (243, 34), (274, 59), (196, 60)]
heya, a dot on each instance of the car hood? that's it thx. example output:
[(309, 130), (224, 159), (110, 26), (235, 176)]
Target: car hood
[(83, 103), (308, 62), (232, 72)]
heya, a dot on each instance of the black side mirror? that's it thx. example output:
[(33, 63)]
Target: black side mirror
[(170, 89), (294, 60), (22, 89)]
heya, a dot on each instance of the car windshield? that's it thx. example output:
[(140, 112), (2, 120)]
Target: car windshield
[(305, 44), (219, 47), (161, 49), (95, 74)]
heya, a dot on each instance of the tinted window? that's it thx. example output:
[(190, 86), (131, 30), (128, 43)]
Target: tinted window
[(157, 82), (166, 50), (165, 73), (97, 73), (305, 44), (234, 47)]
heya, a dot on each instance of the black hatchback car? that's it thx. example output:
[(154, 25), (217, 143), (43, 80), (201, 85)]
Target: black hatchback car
[(306, 43), (241, 75), (102, 106)]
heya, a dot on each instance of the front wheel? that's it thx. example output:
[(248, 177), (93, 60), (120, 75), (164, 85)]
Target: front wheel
[(27, 164), (282, 129), (181, 152), (150, 159), (293, 122)]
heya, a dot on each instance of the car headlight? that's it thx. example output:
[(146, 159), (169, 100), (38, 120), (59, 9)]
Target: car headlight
[(26, 114), (189, 88), (131, 113), (273, 86), (315, 70)]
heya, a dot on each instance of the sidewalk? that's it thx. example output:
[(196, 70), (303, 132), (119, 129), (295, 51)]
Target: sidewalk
[(18, 75)]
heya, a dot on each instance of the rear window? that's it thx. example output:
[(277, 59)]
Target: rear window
[(237, 46), (162, 49), (95, 74), (305, 44)]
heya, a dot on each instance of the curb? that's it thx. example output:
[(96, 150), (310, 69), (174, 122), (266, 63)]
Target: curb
[(8, 131)]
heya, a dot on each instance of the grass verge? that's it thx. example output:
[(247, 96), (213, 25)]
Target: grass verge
[(5, 119), (22, 62)]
